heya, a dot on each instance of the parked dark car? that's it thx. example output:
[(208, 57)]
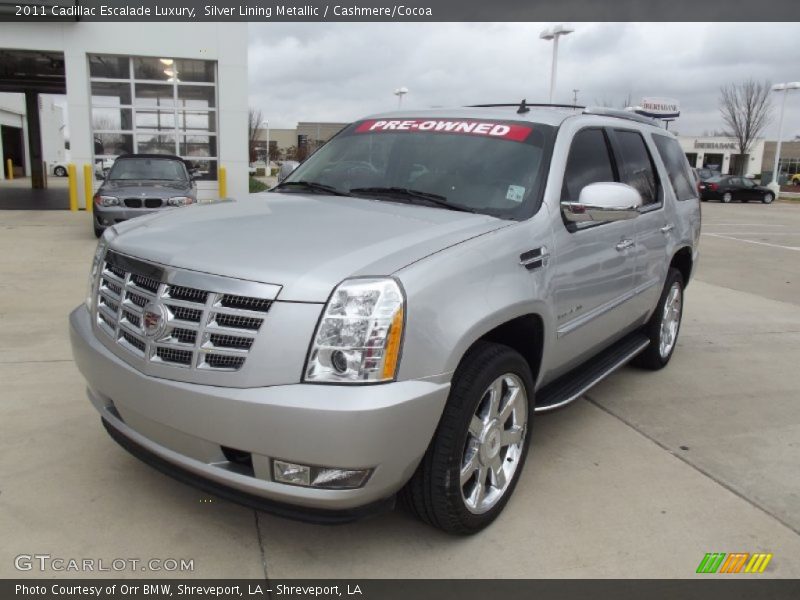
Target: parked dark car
[(730, 187), (138, 184)]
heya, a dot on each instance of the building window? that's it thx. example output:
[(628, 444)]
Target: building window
[(789, 166), (155, 106)]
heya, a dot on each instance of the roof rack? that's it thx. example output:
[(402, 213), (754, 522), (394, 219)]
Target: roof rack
[(525, 105), (619, 114)]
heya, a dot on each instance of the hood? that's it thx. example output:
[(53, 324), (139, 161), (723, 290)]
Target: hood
[(153, 189), (305, 243)]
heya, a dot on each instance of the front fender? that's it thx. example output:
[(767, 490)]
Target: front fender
[(457, 296)]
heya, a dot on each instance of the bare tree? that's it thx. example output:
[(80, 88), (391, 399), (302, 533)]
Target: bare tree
[(746, 111), (253, 123)]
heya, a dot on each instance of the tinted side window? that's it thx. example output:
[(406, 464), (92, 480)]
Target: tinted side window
[(677, 167), (588, 162), (637, 167)]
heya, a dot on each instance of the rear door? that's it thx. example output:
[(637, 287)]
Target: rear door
[(731, 185)]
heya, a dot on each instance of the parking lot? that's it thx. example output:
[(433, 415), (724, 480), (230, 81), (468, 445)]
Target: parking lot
[(640, 478)]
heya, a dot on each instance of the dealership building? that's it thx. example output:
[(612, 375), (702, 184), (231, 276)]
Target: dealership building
[(163, 88), (722, 154), (14, 143)]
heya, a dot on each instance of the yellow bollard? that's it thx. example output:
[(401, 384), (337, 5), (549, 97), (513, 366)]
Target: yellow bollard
[(87, 187), (72, 175), (10, 171), (223, 182)]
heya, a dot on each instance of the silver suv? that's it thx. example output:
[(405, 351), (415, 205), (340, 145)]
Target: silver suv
[(387, 321)]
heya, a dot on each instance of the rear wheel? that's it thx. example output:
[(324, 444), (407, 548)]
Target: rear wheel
[(664, 326), (476, 456), (727, 197), (768, 198), (60, 172)]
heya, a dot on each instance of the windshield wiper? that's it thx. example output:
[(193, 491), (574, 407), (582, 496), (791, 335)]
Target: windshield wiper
[(313, 186), (435, 199)]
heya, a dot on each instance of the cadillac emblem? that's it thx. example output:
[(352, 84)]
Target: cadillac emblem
[(154, 319)]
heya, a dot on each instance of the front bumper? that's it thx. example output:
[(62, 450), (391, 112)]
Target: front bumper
[(183, 426), (106, 216)]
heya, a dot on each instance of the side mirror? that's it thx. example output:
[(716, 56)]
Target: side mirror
[(606, 201)]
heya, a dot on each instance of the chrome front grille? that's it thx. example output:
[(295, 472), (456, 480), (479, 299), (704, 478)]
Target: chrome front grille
[(203, 328)]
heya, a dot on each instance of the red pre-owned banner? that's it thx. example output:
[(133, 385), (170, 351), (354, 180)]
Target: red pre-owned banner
[(517, 133)]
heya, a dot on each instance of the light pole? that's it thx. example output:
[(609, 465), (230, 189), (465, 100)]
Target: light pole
[(775, 185), (554, 33), (400, 92), (265, 122)]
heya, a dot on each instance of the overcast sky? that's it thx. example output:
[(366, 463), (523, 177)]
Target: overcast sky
[(342, 71)]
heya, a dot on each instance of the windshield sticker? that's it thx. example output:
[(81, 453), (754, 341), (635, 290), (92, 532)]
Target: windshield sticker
[(517, 133), (515, 193)]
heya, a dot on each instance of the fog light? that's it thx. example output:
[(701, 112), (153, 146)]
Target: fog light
[(330, 478), (291, 473), (339, 478)]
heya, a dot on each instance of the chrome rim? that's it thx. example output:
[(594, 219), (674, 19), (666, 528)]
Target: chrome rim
[(726, 197), (768, 198), (494, 443), (670, 320)]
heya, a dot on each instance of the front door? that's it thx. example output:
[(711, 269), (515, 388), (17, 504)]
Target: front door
[(594, 262), (748, 190)]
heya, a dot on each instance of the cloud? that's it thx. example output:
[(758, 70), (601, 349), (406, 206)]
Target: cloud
[(343, 71)]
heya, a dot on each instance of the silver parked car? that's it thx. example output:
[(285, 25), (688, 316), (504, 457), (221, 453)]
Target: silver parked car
[(138, 184), (389, 319), (286, 169)]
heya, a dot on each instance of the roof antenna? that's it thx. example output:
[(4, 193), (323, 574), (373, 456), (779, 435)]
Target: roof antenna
[(523, 108)]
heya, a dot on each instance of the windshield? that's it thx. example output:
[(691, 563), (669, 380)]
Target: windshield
[(148, 168), (491, 167)]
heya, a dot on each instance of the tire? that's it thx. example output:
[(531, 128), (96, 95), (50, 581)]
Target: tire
[(727, 197), (663, 337), (98, 231), (768, 198), (467, 440), (60, 172)]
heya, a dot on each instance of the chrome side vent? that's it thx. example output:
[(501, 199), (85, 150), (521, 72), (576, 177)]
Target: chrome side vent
[(534, 259)]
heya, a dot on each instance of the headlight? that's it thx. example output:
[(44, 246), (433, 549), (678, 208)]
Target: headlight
[(97, 263), (106, 200), (180, 201), (358, 338)]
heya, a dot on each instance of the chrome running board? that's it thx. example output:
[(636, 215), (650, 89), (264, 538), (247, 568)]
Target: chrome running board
[(573, 385)]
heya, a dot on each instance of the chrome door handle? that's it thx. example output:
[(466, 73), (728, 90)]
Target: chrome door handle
[(624, 245), (667, 228)]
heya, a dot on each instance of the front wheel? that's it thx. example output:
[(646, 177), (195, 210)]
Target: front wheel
[(60, 172), (768, 198), (665, 324), (476, 456)]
